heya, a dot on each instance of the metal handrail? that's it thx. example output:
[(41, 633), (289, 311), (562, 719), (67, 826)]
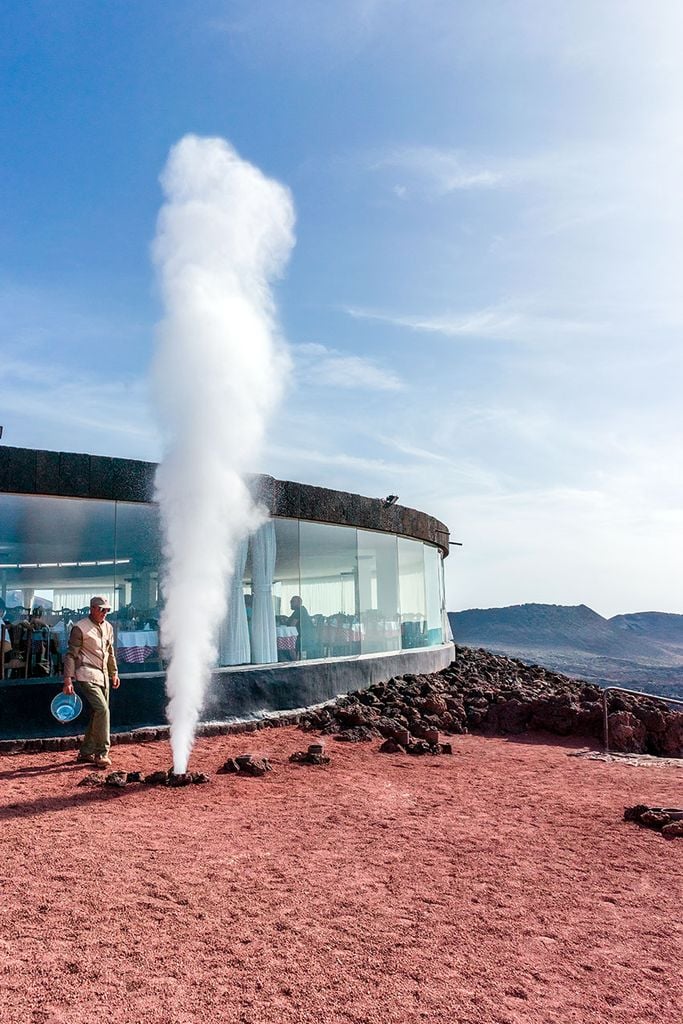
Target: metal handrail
[(634, 693)]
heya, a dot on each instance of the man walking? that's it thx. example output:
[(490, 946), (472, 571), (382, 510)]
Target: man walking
[(90, 662)]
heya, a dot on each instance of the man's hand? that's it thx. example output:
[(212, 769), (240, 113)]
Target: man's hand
[(116, 682), (68, 686)]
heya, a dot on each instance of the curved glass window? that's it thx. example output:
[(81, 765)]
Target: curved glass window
[(136, 608), (378, 592), (411, 577), (326, 611), (302, 590), (433, 595), (55, 554)]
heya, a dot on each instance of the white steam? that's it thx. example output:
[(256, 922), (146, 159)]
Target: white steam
[(224, 232)]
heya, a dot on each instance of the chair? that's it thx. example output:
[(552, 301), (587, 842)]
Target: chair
[(15, 661), (4, 640), (39, 652)]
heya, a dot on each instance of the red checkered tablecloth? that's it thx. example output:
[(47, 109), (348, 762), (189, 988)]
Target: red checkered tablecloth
[(136, 646)]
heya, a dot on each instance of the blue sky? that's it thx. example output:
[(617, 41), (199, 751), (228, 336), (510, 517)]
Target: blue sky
[(484, 302)]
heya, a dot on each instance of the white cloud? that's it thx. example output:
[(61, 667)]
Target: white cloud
[(565, 546), (498, 322), (318, 29), (403, 446), (66, 380), (335, 459), (319, 366), (47, 406), (438, 170)]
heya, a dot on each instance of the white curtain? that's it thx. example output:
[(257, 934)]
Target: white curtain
[(334, 595), (79, 598), (233, 636), (263, 636)]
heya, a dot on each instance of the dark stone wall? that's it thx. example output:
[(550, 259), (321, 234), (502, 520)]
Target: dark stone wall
[(27, 471), (74, 475)]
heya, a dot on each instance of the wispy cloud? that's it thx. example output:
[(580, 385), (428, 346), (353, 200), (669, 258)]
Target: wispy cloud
[(46, 406), (316, 28), (321, 366), (400, 445), (335, 458), (498, 323), (435, 170)]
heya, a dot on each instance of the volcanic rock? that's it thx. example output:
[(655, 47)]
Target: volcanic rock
[(671, 742), (627, 733), (634, 813), (392, 747), (667, 820), (92, 779), (498, 696), (655, 819), (314, 755), (169, 778), (246, 764), (118, 779), (181, 779), (423, 747), (359, 734)]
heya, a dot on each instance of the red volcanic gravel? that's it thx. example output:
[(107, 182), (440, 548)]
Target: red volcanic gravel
[(497, 885)]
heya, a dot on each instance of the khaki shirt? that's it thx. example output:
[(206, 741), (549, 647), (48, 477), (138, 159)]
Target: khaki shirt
[(90, 657)]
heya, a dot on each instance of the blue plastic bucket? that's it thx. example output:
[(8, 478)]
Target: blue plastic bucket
[(66, 706)]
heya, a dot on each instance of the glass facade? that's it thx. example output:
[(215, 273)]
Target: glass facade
[(378, 592), (303, 590), (411, 585)]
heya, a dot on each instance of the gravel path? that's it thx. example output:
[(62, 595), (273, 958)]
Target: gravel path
[(497, 885)]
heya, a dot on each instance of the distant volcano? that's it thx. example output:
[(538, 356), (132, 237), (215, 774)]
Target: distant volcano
[(642, 649)]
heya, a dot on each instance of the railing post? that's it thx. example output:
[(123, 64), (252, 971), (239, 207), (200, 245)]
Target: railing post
[(605, 720)]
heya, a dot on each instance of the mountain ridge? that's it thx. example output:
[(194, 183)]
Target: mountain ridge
[(643, 648)]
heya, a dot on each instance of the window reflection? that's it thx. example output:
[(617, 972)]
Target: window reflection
[(432, 561), (136, 609), (302, 590), (378, 592), (330, 624), (55, 554), (412, 593), (286, 585), (256, 628)]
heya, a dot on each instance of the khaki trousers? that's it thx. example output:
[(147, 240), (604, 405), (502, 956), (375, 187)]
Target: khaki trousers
[(96, 741)]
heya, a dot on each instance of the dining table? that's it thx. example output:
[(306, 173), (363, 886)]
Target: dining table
[(135, 646), (286, 637)]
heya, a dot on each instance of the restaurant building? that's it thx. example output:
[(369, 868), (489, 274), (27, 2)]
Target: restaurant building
[(367, 572)]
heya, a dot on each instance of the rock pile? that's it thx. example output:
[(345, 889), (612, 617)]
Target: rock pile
[(667, 820), (120, 779), (491, 693), (314, 755), (170, 778), (246, 764)]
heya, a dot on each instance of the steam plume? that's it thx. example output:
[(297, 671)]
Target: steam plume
[(224, 232)]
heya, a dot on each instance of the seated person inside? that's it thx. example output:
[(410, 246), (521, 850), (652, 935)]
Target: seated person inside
[(307, 641)]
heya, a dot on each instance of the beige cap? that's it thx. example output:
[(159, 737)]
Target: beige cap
[(100, 602)]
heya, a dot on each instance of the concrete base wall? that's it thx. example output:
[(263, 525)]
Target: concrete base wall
[(238, 693)]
